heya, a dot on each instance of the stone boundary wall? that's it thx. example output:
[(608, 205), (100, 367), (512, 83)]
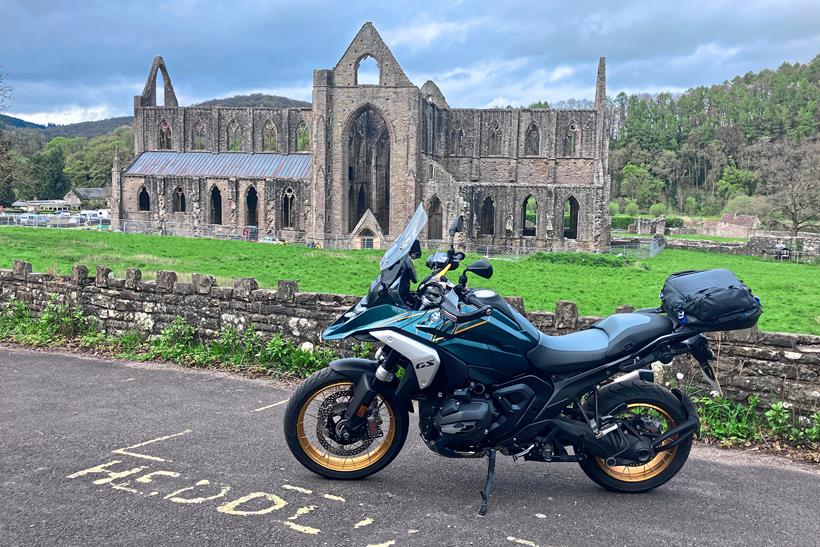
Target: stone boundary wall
[(776, 366), (807, 247)]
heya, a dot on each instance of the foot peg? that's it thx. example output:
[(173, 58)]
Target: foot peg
[(488, 484)]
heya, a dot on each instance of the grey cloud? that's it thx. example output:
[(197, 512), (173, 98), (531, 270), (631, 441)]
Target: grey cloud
[(62, 55)]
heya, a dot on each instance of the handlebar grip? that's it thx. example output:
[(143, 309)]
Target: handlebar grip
[(471, 299)]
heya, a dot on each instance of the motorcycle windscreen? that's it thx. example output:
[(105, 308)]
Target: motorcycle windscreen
[(404, 242)]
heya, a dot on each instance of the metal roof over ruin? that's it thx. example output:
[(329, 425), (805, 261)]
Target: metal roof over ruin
[(224, 164)]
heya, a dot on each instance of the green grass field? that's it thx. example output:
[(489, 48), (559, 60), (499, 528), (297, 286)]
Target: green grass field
[(790, 292)]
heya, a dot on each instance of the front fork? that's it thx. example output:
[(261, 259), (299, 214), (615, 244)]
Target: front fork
[(367, 387)]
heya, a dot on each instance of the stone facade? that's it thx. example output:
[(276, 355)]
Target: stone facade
[(523, 178), (775, 366)]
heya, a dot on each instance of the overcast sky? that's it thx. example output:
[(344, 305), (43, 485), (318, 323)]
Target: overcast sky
[(86, 59)]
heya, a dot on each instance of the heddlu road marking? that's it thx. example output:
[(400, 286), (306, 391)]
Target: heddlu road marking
[(270, 406)]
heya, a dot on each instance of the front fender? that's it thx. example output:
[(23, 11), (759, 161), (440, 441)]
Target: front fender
[(362, 372)]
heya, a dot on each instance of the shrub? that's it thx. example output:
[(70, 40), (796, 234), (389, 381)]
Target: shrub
[(282, 357), (614, 208), (176, 343), (731, 423), (583, 259), (657, 209), (622, 222), (690, 205), (632, 208), (674, 222)]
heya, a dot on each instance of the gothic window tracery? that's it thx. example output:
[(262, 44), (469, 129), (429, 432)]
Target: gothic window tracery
[(302, 138), (287, 208), (270, 137), (164, 140), (494, 142), (234, 136), (200, 137), (532, 141), (179, 204), (571, 140)]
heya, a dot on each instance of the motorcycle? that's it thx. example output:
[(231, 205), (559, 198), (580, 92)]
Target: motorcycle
[(485, 380)]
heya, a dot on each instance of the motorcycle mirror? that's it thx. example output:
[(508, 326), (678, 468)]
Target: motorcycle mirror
[(481, 268), (457, 225)]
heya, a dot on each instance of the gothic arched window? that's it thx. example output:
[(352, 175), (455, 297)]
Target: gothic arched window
[(457, 140), (179, 205), (270, 138), (530, 214), (571, 208), (251, 207), (144, 200), (487, 217), (367, 71), (494, 142), (287, 208), (571, 140), (532, 141), (200, 136), (436, 223), (302, 138), (234, 137), (164, 140)]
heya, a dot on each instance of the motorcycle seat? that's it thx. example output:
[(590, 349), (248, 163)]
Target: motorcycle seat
[(608, 339)]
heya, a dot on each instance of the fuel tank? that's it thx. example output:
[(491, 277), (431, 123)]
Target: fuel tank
[(494, 348)]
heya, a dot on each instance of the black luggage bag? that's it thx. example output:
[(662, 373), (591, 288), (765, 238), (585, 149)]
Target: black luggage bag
[(709, 300)]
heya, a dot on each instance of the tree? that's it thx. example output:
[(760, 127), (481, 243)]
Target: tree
[(637, 182), (632, 208), (46, 176), (791, 179), (736, 182)]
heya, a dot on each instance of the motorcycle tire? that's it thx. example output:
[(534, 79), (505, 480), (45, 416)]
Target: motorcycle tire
[(316, 445), (648, 398)]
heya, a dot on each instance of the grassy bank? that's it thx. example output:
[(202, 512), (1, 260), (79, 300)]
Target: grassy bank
[(597, 283)]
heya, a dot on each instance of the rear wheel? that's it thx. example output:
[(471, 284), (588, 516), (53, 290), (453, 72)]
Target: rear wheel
[(660, 410), (312, 420)]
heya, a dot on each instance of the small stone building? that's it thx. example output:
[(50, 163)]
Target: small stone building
[(80, 197), (349, 170)]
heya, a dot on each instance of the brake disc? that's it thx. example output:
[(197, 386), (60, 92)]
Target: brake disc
[(331, 416)]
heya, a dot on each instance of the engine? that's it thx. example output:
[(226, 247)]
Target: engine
[(458, 422)]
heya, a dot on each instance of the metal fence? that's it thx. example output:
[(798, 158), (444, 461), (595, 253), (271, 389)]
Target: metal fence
[(639, 248)]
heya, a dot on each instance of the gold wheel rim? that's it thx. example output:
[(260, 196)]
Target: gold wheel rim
[(326, 458), (650, 469)]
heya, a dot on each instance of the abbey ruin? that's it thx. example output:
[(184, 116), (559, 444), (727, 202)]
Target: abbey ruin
[(349, 170)]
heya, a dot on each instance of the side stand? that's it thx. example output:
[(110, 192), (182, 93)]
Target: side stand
[(488, 485)]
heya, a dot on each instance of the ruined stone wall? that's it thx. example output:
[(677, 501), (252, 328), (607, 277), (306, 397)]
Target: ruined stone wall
[(807, 247), (775, 366), (215, 122)]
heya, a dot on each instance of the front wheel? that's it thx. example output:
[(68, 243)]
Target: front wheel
[(312, 431), (660, 410)]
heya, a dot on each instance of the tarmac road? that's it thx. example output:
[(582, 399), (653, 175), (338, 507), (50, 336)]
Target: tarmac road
[(99, 452)]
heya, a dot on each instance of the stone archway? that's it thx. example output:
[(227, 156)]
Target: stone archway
[(368, 168)]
